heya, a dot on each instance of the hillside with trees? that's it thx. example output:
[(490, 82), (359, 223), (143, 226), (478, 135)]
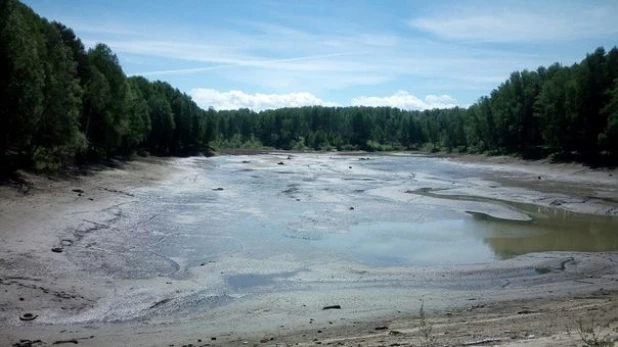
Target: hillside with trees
[(61, 103)]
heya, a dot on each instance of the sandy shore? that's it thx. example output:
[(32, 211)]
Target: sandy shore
[(38, 228)]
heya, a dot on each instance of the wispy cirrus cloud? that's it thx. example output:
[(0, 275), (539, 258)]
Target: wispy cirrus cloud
[(521, 21), (339, 50), (249, 62), (317, 54)]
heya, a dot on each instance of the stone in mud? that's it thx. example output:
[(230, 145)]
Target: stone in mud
[(332, 307), (27, 317)]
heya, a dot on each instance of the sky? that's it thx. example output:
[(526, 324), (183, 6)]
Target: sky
[(263, 54)]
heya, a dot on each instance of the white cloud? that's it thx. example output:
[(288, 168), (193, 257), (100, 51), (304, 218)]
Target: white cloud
[(521, 22), (404, 100), (235, 99)]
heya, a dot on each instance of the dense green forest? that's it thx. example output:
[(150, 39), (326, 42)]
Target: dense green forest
[(62, 103)]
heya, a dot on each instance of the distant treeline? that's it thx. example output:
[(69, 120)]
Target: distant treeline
[(61, 103), (569, 112)]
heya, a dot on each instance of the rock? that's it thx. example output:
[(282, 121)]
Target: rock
[(351, 208), (349, 167), (383, 327), (218, 189), (289, 157), (245, 162), (27, 317), (280, 163), (332, 307), (57, 249), (28, 343), (78, 191)]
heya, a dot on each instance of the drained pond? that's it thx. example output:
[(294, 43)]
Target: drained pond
[(372, 210)]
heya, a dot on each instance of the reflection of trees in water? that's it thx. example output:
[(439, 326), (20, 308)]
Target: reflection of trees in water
[(552, 229)]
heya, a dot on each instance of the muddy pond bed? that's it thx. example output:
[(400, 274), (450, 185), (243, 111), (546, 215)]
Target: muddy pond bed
[(265, 241)]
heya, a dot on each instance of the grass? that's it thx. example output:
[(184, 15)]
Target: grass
[(593, 335), (426, 329)]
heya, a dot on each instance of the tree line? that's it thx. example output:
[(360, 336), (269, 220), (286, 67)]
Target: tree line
[(569, 112), (61, 103), (342, 128)]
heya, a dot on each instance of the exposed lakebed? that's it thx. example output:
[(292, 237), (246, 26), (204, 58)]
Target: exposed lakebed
[(284, 234), (378, 211)]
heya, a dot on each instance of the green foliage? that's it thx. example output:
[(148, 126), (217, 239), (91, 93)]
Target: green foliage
[(558, 109), (59, 102)]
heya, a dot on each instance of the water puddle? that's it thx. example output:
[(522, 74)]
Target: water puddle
[(243, 281), (477, 237)]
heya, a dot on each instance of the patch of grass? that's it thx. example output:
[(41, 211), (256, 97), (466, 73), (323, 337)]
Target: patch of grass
[(593, 335), (429, 339)]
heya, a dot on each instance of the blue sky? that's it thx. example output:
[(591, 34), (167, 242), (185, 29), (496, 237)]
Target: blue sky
[(274, 53)]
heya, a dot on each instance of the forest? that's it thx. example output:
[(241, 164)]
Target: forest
[(61, 103)]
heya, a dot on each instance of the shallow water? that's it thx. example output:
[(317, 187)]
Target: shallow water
[(303, 207), (380, 211)]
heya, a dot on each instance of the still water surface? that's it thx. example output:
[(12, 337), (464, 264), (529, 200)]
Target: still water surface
[(304, 208)]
